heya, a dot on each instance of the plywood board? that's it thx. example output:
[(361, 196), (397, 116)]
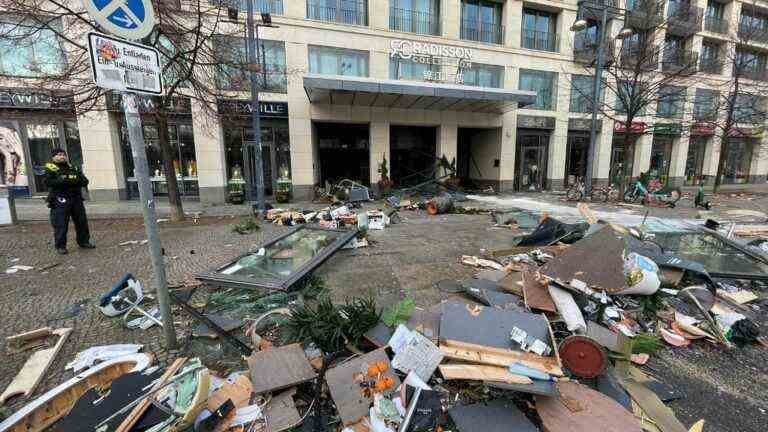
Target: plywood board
[(281, 413), (489, 327), (596, 260), (738, 297), (599, 412), (493, 416), (279, 368), (499, 357), (346, 391), (513, 283), (661, 415), (35, 368), (536, 293), (481, 373)]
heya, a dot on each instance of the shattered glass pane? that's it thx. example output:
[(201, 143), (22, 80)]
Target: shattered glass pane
[(279, 260), (715, 255)]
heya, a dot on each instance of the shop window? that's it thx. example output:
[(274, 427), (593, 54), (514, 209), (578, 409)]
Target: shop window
[(671, 101), (184, 163), (29, 49), (705, 104), (545, 86), (694, 162), (74, 149), (401, 69), (41, 138), (338, 61), (232, 73), (582, 90), (481, 75), (738, 160), (661, 154)]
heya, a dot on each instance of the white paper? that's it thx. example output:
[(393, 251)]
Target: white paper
[(419, 355), (400, 338), (246, 414)]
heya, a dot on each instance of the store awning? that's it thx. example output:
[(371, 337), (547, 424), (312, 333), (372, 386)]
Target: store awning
[(371, 92)]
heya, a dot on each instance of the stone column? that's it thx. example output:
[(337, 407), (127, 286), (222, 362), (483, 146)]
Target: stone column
[(450, 14), (711, 159), (513, 23), (759, 165), (379, 149), (378, 14), (102, 156), (642, 160), (295, 9), (558, 145), (508, 146), (678, 159), (300, 124), (209, 155), (604, 146), (447, 141)]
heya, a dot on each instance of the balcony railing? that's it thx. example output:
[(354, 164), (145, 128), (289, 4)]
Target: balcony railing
[(343, 11), (644, 14), (683, 19), (751, 33), (585, 49), (411, 21), (539, 40), (715, 25), (595, 10), (646, 56), (711, 66), (274, 7), (757, 74), (482, 32), (680, 61)]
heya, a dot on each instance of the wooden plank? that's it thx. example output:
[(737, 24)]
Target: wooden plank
[(33, 371), (281, 413), (492, 358), (738, 297), (139, 410), (481, 373), (536, 294), (279, 368), (513, 283), (597, 411), (661, 415), (30, 335), (345, 386)]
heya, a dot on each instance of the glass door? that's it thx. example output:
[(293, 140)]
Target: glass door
[(576, 159), (661, 154), (694, 163), (531, 167), (622, 161), (42, 138)]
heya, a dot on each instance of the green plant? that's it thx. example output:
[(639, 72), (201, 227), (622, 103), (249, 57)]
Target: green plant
[(247, 225), (313, 287), (332, 328), (645, 343), (652, 303), (398, 313)]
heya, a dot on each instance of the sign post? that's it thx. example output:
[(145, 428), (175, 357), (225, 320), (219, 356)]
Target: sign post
[(131, 68)]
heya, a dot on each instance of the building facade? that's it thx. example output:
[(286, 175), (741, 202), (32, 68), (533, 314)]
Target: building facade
[(350, 85)]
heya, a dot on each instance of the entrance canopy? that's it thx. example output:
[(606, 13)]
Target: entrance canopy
[(371, 92)]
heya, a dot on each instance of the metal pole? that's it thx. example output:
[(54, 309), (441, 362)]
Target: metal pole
[(141, 171), (257, 176), (595, 102)]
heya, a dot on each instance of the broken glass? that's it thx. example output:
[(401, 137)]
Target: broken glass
[(281, 262)]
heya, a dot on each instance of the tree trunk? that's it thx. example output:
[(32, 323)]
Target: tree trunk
[(169, 155)]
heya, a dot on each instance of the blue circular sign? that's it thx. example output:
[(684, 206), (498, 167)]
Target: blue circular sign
[(130, 19)]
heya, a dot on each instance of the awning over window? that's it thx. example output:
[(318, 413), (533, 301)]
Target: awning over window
[(370, 92)]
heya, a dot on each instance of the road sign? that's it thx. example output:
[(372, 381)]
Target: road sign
[(129, 19), (125, 66)]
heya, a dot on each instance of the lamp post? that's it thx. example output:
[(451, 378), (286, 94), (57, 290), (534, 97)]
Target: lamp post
[(581, 24), (254, 167)]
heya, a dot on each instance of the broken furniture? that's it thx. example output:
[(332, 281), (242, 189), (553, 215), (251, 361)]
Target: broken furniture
[(56, 403), (280, 263), (125, 297), (33, 371)]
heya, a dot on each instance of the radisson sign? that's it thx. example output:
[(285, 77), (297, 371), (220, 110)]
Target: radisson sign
[(409, 49)]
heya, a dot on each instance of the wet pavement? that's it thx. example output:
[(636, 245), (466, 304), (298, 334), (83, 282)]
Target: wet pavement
[(728, 389)]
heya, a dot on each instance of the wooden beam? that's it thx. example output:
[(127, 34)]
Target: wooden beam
[(661, 415), (482, 373), (498, 357)]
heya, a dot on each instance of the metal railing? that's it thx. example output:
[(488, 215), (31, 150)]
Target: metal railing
[(645, 55), (539, 40), (585, 48), (679, 61), (684, 19), (644, 13), (274, 7), (343, 11), (751, 33), (715, 25), (757, 74), (411, 21), (482, 32), (711, 66)]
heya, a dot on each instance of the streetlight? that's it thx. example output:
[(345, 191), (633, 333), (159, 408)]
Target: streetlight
[(603, 7)]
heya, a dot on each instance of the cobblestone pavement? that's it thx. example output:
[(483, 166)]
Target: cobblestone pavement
[(727, 389)]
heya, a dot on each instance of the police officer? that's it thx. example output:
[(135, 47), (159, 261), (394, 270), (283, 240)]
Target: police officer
[(66, 200)]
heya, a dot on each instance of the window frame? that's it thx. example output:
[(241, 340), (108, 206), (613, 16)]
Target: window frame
[(553, 77), (340, 53)]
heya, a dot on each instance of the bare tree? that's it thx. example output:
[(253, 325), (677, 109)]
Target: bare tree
[(185, 36), (632, 78), (736, 103)]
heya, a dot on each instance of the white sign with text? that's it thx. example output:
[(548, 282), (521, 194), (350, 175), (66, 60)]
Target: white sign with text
[(125, 66)]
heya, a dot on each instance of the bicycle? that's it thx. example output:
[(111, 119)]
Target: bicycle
[(578, 192), (605, 193), (655, 194)]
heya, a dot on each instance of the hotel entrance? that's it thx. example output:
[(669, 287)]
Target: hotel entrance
[(413, 150)]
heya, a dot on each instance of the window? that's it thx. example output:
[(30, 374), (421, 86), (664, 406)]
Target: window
[(353, 12), (274, 7), (29, 49), (582, 88), (481, 75), (710, 52), (539, 30), (338, 61), (630, 99), (704, 104), (750, 60), (715, 9), (481, 21), (401, 69), (544, 84), (415, 16), (751, 19), (671, 101), (232, 75), (749, 108)]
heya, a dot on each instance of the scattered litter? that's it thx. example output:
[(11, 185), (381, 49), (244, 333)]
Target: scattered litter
[(16, 268), (87, 358)]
